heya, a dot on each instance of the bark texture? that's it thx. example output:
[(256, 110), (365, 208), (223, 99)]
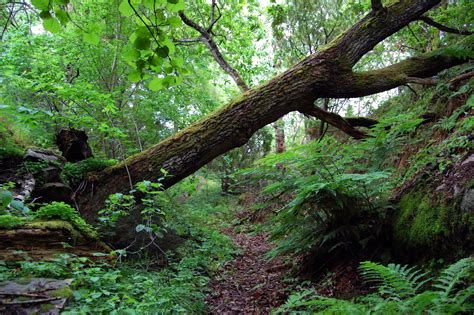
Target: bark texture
[(327, 74)]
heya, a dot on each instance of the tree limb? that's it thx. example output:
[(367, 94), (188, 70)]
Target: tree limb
[(422, 81), (407, 71), (442, 27), (361, 122), (374, 28), (334, 120), (206, 38)]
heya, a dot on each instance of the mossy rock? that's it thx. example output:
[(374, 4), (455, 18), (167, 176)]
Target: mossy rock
[(54, 225), (426, 226)]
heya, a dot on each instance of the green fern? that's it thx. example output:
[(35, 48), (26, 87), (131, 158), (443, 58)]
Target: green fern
[(394, 281), (400, 291)]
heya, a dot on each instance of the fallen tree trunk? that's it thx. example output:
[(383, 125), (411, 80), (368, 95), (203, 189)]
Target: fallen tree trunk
[(45, 240), (327, 74)]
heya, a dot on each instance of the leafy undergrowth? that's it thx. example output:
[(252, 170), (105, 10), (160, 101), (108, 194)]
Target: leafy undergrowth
[(399, 290), (135, 286)]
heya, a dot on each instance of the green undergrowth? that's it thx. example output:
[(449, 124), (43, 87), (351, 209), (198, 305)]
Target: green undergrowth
[(73, 173), (54, 216), (197, 211), (9, 146), (398, 290), (63, 211)]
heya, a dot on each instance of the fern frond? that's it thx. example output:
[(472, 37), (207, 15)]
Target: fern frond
[(394, 281), (454, 275)]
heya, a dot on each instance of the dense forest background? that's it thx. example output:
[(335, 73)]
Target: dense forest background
[(337, 179)]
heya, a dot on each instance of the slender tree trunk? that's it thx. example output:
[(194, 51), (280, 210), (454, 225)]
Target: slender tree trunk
[(327, 74), (279, 137), (322, 125)]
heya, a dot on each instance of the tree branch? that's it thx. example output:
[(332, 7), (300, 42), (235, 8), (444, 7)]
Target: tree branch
[(374, 28), (334, 120), (206, 38), (442, 27), (411, 70), (422, 81)]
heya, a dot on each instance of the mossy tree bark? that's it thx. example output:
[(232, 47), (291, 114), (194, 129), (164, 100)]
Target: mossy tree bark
[(326, 74)]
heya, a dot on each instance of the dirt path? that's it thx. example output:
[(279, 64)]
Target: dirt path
[(249, 284)]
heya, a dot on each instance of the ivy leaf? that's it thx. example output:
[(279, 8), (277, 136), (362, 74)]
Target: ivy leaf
[(52, 25), (156, 84), (40, 4)]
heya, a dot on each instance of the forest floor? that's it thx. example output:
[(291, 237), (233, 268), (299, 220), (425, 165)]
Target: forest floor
[(250, 283)]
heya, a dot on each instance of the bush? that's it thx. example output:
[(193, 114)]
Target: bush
[(332, 209)]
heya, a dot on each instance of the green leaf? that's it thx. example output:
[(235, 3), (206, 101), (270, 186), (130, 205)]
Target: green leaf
[(142, 43), (163, 52), (156, 61), (5, 198), (125, 9), (40, 4), (156, 84), (91, 38), (174, 21), (52, 25), (63, 2), (176, 7), (135, 76), (45, 14), (139, 228), (173, 1), (131, 55), (152, 4), (169, 43), (177, 62), (62, 16), (19, 205)]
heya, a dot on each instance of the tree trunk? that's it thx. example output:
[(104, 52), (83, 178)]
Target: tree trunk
[(327, 74), (279, 137)]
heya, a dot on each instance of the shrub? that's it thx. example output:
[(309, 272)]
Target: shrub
[(332, 208)]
